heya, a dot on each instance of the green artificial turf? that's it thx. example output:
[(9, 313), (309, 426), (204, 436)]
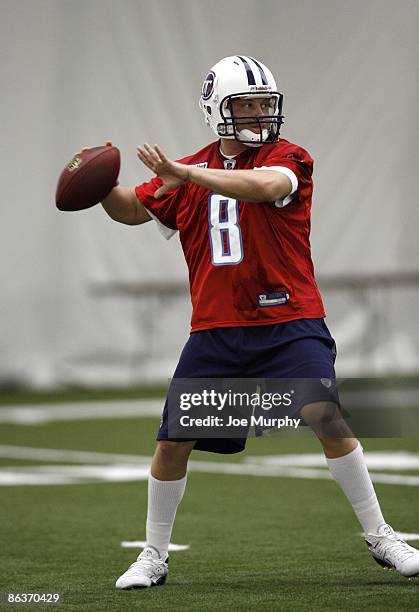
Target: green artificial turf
[(257, 543)]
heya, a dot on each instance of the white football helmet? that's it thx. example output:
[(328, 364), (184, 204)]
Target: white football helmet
[(241, 76)]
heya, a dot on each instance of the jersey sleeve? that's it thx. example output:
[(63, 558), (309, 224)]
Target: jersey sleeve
[(292, 161), (164, 210)]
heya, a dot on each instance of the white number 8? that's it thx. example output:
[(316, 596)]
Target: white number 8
[(225, 234)]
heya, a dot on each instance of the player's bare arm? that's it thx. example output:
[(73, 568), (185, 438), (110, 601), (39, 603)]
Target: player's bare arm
[(261, 186), (122, 205)]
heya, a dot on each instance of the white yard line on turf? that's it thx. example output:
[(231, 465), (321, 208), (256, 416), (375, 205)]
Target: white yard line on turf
[(401, 534), (142, 543), (113, 467), (71, 474), (66, 474), (72, 456), (80, 411), (385, 460), (381, 460), (292, 472)]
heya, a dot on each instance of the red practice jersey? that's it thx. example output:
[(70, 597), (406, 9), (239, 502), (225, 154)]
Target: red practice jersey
[(249, 262)]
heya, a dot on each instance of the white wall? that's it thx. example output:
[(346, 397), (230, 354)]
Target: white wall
[(78, 72)]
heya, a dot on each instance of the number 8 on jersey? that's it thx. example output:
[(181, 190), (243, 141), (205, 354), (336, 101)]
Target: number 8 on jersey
[(224, 230)]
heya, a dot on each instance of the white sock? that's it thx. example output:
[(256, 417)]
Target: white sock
[(164, 496), (351, 473)]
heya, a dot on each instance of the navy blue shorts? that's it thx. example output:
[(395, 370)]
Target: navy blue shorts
[(301, 349)]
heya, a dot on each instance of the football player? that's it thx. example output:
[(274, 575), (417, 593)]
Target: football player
[(242, 208)]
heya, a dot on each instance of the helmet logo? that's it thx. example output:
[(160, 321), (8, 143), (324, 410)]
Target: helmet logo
[(256, 88), (208, 86)]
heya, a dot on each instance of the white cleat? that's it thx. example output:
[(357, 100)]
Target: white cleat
[(147, 571), (390, 551)]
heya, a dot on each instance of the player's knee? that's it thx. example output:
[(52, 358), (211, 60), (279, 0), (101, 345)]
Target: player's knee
[(172, 451), (326, 420), (320, 412), (338, 447)]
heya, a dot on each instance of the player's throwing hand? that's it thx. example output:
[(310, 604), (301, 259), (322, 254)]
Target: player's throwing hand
[(173, 174)]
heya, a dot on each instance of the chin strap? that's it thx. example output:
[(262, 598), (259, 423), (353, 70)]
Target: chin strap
[(252, 139)]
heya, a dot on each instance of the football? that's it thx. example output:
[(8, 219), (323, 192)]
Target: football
[(88, 178)]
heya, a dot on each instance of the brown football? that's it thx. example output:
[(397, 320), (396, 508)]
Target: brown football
[(88, 178)]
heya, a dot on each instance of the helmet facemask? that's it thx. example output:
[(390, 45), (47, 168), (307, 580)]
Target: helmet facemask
[(265, 128)]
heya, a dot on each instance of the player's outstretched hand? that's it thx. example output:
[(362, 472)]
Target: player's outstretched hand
[(173, 174)]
